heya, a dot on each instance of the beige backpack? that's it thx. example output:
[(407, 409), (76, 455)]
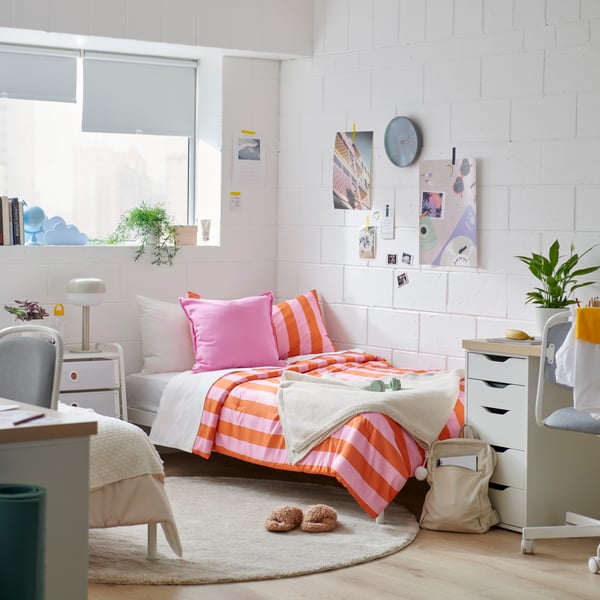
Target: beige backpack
[(458, 473)]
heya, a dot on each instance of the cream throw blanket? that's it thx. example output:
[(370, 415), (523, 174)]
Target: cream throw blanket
[(311, 408)]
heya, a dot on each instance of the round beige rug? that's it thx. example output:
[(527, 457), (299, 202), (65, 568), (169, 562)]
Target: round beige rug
[(221, 526)]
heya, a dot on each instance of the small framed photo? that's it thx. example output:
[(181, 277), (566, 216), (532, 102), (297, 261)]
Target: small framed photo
[(402, 279), (407, 259), (391, 259), (366, 242)]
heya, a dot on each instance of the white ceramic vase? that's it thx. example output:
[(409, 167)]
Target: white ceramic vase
[(542, 315)]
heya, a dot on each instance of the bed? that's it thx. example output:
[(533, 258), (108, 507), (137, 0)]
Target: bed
[(127, 480), (234, 410)]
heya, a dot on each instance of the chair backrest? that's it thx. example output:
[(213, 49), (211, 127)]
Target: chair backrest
[(554, 401), (31, 358), (555, 331)]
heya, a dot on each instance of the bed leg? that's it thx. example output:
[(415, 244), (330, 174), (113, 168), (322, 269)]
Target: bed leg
[(152, 555), (380, 518)]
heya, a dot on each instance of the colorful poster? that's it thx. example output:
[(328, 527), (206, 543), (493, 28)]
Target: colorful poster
[(448, 217), (352, 170)]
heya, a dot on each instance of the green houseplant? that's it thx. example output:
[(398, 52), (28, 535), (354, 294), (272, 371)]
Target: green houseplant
[(154, 230), (27, 310), (558, 276)]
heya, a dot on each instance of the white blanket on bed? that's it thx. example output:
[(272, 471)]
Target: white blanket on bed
[(311, 409), (118, 451)]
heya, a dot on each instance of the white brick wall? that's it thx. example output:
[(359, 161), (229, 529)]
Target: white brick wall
[(245, 262), (515, 85)]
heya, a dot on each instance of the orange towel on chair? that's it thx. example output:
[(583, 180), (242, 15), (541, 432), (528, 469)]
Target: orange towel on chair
[(586, 391)]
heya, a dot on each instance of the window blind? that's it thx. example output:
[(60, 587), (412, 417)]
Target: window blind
[(38, 74), (138, 95)]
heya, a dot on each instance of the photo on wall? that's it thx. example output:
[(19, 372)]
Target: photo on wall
[(367, 242), (352, 157), (448, 216)]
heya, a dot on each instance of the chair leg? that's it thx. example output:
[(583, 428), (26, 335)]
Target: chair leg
[(577, 526)]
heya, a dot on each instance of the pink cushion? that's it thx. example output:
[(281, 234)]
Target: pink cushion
[(299, 327), (229, 334)]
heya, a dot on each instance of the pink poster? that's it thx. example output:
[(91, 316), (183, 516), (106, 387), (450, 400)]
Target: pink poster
[(447, 213)]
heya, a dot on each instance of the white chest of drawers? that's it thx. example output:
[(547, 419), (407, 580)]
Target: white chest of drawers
[(95, 380), (541, 473)]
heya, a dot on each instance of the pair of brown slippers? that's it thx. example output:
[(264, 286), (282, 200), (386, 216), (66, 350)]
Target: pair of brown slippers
[(317, 518)]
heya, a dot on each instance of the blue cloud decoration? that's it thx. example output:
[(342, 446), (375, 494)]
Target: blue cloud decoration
[(40, 230)]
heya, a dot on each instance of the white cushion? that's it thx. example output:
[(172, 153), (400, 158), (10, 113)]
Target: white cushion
[(166, 337)]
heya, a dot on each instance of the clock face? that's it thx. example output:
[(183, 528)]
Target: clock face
[(402, 141)]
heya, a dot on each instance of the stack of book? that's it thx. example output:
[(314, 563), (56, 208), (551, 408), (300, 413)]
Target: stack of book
[(12, 231)]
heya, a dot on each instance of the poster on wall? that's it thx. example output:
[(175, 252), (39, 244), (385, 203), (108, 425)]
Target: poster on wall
[(352, 155), (248, 159), (448, 217)]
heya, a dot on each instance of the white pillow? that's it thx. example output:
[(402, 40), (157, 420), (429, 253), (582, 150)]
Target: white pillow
[(166, 337)]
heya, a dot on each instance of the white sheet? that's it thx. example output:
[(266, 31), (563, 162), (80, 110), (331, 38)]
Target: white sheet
[(180, 410), (311, 409), (144, 391)]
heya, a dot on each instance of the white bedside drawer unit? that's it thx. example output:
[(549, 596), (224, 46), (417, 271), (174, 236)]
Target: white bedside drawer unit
[(541, 473), (95, 380), (89, 374)]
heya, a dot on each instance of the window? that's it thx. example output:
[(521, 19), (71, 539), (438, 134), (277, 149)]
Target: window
[(131, 151)]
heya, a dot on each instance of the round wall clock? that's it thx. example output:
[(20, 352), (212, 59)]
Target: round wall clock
[(402, 141)]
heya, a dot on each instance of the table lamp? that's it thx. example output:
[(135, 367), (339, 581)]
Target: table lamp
[(85, 292)]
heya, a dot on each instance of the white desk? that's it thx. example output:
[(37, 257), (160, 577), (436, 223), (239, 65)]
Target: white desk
[(54, 453), (541, 472)]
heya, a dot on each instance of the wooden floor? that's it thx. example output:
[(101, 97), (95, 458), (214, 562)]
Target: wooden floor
[(435, 565)]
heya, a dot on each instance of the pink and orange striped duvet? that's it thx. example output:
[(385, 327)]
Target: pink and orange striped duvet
[(371, 455)]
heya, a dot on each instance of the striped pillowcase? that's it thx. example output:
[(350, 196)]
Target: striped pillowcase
[(299, 327)]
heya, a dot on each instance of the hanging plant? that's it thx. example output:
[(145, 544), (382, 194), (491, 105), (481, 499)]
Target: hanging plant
[(154, 230)]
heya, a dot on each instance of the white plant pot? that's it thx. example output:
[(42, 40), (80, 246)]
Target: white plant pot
[(543, 314)]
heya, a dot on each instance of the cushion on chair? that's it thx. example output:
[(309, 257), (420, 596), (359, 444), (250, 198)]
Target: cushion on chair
[(573, 420)]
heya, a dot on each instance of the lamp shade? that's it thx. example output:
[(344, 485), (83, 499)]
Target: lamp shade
[(87, 291)]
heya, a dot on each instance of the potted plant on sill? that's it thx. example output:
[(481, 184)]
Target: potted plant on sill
[(153, 229), (27, 310), (558, 277)]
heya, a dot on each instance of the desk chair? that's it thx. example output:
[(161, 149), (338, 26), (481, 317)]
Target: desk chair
[(566, 418), (30, 365)]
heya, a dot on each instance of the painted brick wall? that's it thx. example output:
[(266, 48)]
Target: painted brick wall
[(248, 97), (515, 85)]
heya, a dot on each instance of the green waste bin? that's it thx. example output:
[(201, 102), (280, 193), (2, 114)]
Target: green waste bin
[(22, 541)]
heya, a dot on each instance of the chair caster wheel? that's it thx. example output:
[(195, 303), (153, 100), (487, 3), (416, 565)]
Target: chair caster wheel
[(527, 546), (594, 564)]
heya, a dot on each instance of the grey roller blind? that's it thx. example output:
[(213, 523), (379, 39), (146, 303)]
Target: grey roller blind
[(138, 95), (37, 74)]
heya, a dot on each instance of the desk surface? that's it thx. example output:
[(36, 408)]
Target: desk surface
[(53, 426), (512, 348)]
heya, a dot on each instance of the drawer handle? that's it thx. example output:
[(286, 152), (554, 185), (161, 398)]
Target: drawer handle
[(497, 486), (496, 411), (499, 449), (73, 375), (496, 358), (496, 384)]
